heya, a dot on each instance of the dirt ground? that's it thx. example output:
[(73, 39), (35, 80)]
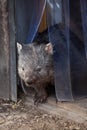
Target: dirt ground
[(18, 116)]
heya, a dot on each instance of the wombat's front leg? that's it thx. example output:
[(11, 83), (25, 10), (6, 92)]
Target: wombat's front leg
[(40, 96)]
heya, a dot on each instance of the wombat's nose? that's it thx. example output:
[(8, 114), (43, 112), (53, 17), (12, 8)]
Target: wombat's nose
[(31, 81)]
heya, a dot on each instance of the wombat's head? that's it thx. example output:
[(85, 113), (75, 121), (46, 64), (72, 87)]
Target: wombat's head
[(34, 62)]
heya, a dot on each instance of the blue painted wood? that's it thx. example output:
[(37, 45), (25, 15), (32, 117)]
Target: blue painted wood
[(59, 36), (28, 15)]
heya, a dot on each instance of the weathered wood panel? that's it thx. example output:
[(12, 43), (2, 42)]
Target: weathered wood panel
[(4, 51), (8, 89)]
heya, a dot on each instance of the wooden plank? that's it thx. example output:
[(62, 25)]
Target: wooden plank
[(68, 110), (13, 71), (4, 51)]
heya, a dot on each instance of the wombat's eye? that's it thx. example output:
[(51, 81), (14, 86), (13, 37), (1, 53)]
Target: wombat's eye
[(38, 69), (22, 68)]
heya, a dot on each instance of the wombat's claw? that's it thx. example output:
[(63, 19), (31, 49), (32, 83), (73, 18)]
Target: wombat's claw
[(39, 99)]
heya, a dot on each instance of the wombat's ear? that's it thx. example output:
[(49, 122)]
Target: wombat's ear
[(19, 47), (49, 48)]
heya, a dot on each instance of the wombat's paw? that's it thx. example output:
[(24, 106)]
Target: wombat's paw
[(39, 99)]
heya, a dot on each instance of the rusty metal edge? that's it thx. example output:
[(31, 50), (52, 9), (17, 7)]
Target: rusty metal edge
[(12, 37)]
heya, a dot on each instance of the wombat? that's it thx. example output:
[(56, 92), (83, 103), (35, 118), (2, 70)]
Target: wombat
[(35, 67)]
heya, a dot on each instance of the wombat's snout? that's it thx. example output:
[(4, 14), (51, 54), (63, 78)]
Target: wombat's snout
[(30, 80)]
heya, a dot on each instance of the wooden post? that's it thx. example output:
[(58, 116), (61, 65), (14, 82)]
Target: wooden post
[(4, 51), (8, 88)]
